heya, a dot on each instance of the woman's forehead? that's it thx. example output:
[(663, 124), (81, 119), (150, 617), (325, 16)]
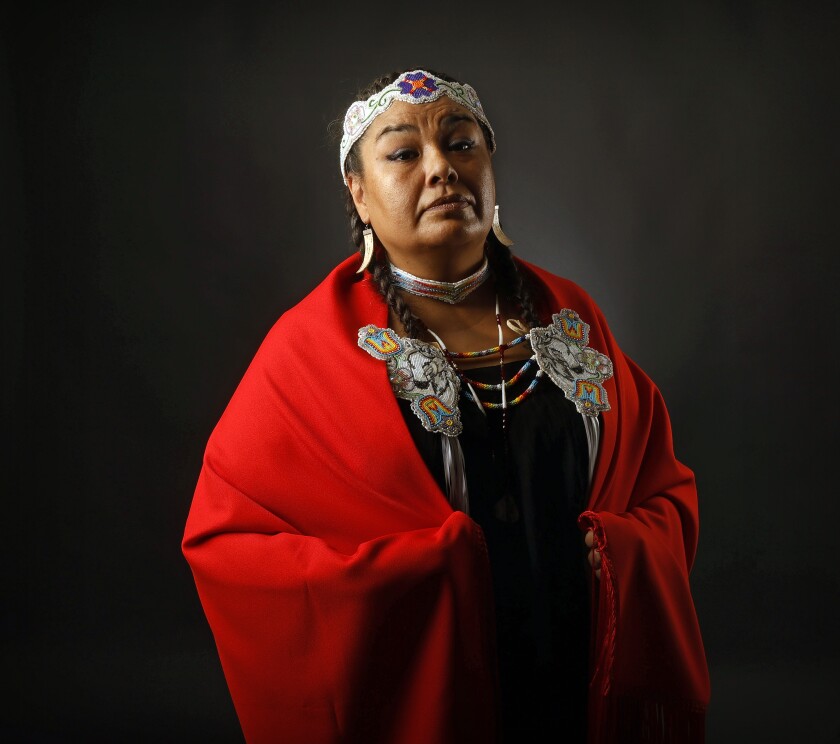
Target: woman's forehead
[(443, 112)]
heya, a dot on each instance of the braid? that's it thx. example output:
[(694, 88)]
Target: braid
[(512, 282), (384, 281), (356, 224)]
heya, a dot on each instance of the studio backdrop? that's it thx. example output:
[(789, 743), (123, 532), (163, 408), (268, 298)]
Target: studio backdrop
[(171, 187)]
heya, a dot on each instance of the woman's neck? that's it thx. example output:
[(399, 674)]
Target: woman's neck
[(441, 264), (469, 325)]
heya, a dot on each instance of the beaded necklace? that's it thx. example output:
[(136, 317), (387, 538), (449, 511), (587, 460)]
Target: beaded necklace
[(506, 508), (449, 292), (504, 384)]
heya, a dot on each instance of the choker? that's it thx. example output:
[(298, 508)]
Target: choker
[(450, 292)]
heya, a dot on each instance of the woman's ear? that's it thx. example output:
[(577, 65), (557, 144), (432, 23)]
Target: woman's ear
[(357, 191)]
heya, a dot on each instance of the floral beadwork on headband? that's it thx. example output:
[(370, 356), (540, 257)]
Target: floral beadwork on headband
[(415, 86)]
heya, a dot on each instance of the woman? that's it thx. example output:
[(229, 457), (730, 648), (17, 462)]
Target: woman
[(442, 505)]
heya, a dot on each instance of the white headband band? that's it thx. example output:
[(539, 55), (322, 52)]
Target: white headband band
[(416, 86)]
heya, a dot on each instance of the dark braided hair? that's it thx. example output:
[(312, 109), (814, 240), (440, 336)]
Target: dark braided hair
[(509, 279), (511, 282)]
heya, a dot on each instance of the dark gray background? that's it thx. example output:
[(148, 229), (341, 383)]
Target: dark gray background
[(170, 188)]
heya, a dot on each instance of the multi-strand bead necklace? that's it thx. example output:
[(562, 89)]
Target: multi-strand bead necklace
[(504, 384), (506, 508), (453, 293)]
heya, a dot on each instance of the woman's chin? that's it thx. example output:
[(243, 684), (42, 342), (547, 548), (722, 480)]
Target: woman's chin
[(454, 232)]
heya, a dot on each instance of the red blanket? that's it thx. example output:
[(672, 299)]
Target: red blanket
[(349, 603)]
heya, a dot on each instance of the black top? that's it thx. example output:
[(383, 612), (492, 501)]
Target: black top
[(527, 484)]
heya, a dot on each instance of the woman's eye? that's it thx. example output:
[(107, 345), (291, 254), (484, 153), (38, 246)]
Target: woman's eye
[(403, 154), (461, 145)]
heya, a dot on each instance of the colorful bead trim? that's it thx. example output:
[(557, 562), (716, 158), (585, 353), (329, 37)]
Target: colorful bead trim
[(507, 383), (416, 86), (498, 386), (487, 352), (518, 399), (450, 292)]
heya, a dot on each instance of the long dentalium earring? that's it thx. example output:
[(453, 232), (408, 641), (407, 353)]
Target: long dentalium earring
[(367, 233), (497, 230)]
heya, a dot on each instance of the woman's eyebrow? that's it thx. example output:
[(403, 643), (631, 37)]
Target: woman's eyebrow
[(454, 119), (397, 128)]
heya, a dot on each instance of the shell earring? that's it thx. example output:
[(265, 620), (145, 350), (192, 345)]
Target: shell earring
[(367, 233), (497, 230)]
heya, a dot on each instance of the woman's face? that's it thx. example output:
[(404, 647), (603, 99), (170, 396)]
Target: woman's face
[(427, 188)]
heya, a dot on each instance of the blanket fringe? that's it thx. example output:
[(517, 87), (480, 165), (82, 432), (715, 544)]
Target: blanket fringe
[(637, 720), (603, 660)]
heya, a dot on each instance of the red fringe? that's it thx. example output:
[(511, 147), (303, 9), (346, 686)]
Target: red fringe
[(631, 720), (603, 660), (637, 718)]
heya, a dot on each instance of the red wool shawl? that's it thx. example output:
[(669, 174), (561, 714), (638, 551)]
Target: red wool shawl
[(350, 603)]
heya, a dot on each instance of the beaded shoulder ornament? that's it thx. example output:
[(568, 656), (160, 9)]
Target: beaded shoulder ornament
[(415, 86), (420, 373), (562, 353), (423, 374)]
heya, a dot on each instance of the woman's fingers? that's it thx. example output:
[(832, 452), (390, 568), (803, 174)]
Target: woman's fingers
[(594, 555), (595, 562)]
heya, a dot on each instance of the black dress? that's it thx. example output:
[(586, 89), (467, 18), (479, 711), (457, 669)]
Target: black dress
[(527, 485)]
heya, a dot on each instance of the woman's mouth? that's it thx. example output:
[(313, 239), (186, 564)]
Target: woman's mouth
[(449, 203)]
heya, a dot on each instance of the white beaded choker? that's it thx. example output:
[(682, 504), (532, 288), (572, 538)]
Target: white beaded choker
[(451, 292)]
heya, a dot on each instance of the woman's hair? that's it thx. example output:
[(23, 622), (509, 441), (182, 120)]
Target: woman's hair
[(509, 279)]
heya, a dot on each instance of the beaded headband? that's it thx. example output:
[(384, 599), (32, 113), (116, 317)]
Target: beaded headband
[(416, 86)]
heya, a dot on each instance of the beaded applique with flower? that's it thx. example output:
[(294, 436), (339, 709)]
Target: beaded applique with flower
[(419, 373), (562, 353)]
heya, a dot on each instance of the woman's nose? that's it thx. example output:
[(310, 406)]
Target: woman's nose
[(438, 168)]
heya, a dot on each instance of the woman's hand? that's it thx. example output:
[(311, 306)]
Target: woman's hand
[(594, 555)]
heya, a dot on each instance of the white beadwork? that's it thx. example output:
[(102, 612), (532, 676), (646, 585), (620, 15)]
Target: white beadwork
[(361, 113), (450, 292), (574, 367)]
